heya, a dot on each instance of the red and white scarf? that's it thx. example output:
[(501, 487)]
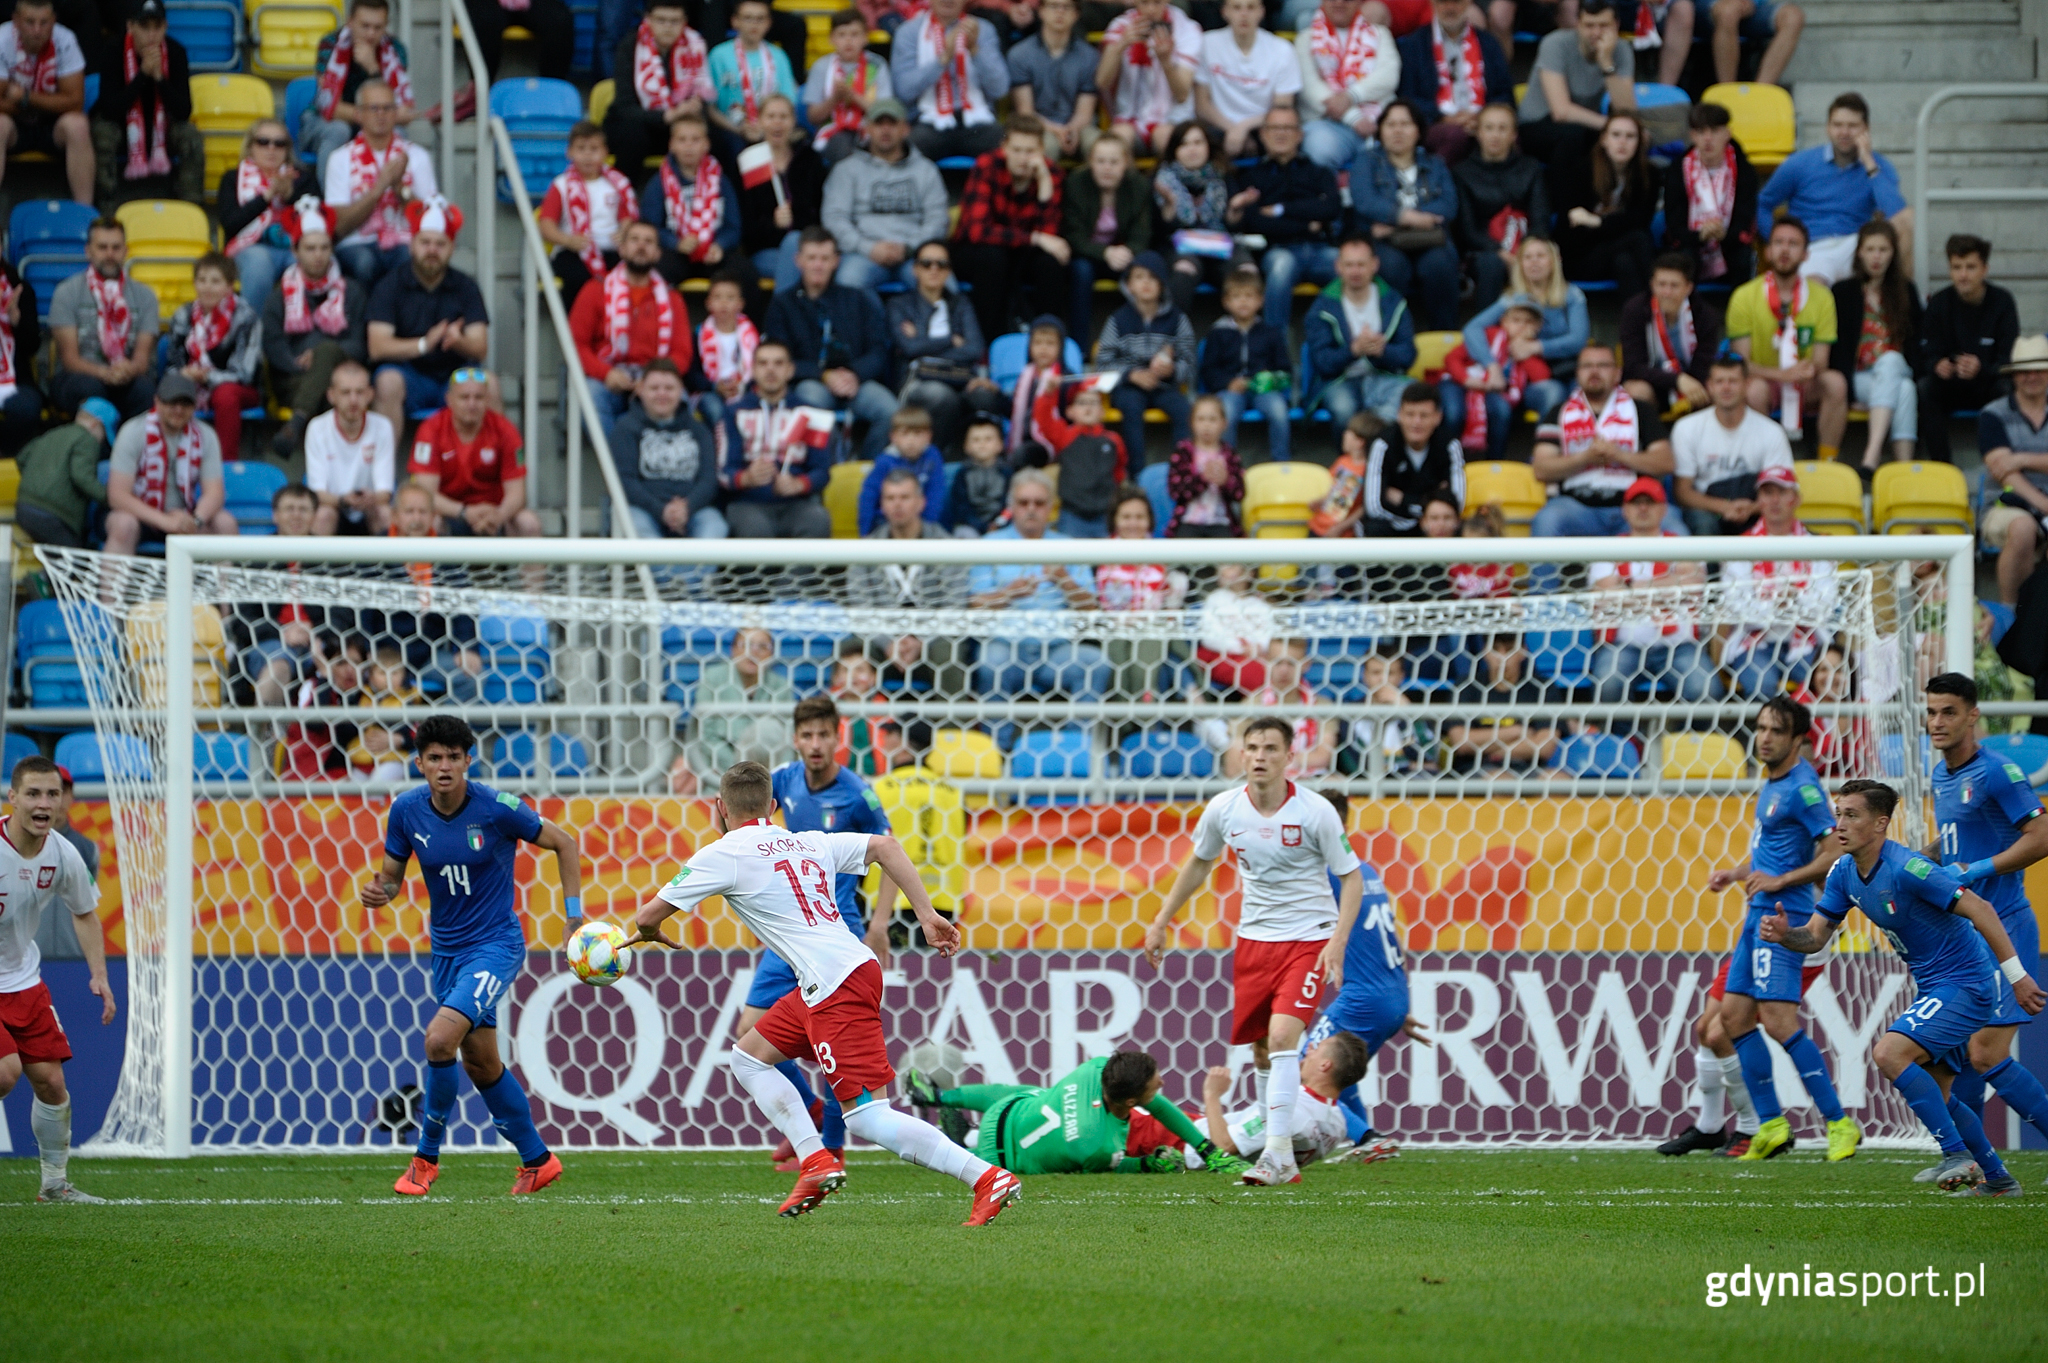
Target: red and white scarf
[(1775, 582), (694, 210), (1508, 227), (1787, 318), (332, 314), (1710, 197), (153, 468), (1579, 426), (708, 351), (846, 118), (210, 328), (148, 148), (1342, 58), (110, 307), (364, 164), (1475, 399), (954, 98), (1646, 35), (750, 96), (1023, 420), (664, 84), (390, 69), (1475, 72), (618, 313), (575, 194), (251, 183), (1142, 93), (1664, 350), (34, 72), (9, 291)]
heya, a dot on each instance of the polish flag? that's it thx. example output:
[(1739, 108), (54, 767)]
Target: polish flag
[(757, 165)]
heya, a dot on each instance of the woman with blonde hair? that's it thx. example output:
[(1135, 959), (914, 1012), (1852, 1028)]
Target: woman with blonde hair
[(1538, 275), (254, 195)]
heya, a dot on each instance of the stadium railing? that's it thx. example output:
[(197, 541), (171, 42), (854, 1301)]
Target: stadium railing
[(1925, 194)]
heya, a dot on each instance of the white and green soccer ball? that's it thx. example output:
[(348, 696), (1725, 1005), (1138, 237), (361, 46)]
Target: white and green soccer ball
[(939, 1061), (597, 953)]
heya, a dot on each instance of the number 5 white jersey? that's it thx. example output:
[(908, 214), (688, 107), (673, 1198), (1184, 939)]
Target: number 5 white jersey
[(27, 886), (780, 884), (1284, 861)]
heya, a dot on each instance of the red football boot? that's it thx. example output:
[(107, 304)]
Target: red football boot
[(823, 1175), (533, 1178), (997, 1189), (418, 1177)]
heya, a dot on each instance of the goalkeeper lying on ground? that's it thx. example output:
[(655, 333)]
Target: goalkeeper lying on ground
[(1079, 1125)]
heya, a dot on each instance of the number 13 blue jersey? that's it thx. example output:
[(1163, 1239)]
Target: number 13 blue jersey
[(468, 859), (1791, 815)]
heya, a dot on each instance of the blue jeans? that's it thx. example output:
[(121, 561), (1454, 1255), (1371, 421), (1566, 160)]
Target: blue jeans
[(320, 139), (873, 404), (1500, 415), (858, 272), (1131, 401), (780, 264), (615, 19), (610, 406), (1305, 262), (1076, 526), (706, 523), (423, 392), (1081, 320), (363, 263), (1684, 667), (1010, 667), (1330, 144), (1889, 384), (259, 266), (1428, 280), (1762, 670), (1374, 392), (1272, 406)]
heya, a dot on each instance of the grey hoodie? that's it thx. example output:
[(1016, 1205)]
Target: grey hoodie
[(868, 200)]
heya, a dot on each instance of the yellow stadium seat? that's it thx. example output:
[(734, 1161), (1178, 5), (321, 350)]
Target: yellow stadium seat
[(1277, 498), (1760, 116), (601, 96), (842, 497), (164, 237), (285, 38), (964, 755), (1508, 485), (1431, 349), (10, 488), (1920, 497), (223, 107), (1830, 497), (144, 646), (1703, 757)]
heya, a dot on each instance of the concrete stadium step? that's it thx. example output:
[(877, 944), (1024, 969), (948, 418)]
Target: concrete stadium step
[(1911, 13), (1914, 53)]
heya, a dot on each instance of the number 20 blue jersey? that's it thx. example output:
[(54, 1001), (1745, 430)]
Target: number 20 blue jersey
[(468, 859)]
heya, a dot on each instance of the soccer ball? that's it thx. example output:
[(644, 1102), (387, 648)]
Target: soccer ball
[(939, 1061), (597, 953)]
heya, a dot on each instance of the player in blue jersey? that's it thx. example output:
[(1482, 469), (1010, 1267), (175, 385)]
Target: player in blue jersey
[(1962, 962), (817, 795), (467, 838), (1990, 830), (1789, 852), (1373, 1003)]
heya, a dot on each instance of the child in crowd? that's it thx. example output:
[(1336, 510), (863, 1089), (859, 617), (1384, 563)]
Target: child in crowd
[(981, 489), (1205, 478), (1153, 343), (217, 342), (313, 751), (1029, 447), (841, 86), (1106, 217), (1234, 631), (1481, 393), (584, 209), (725, 349), (746, 69), (910, 447), (1244, 362), (1401, 742), (379, 753), (1337, 514), (1315, 741), (1090, 457), (1137, 586), (1502, 661)]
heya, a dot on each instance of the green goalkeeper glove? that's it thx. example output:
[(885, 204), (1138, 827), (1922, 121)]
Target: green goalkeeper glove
[(1216, 1161), (1164, 1160)]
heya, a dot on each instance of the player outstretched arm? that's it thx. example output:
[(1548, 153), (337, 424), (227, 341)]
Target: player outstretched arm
[(2030, 847), (569, 870), (1192, 877), (1215, 1085), (884, 851)]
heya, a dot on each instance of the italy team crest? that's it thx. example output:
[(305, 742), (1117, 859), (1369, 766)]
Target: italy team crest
[(475, 838)]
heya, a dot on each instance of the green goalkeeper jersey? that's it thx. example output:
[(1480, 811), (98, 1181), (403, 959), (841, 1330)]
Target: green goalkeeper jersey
[(1063, 1128)]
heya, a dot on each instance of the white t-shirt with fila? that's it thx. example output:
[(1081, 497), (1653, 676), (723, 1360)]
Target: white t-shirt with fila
[(28, 885), (781, 885), (1285, 861)]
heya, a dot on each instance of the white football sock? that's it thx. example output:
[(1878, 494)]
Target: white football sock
[(52, 1127), (918, 1142), (1280, 1098), (1738, 1095), (1713, 1098), (1261, 1080), (777, 1097)]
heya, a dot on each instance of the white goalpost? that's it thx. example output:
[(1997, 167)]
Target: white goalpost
[(1543, 782)]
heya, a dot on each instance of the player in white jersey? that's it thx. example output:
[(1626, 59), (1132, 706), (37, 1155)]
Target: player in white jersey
[(37, 867), (1319, 1127), (781, 885), (1290, 933)]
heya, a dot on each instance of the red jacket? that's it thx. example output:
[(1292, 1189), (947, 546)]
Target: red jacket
[(593, 336)]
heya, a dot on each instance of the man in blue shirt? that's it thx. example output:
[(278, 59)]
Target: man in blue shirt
[(1033, 665), (817, 795), (467, 838), (1788, 853), (1940, 930), (1836, 189), (1990, 830)]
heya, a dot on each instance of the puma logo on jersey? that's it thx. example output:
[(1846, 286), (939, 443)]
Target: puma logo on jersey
[(422, 838)]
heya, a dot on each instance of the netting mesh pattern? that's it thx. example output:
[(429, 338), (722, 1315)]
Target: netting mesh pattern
[(1544, 769)]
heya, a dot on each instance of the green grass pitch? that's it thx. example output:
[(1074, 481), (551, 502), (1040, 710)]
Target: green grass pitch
[(1431, 1257)]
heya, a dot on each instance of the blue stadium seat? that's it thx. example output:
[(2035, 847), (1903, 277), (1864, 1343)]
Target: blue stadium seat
[(1653, 96), (2001, 619), (46, 243), (17, 747), (1891, 755), (1166, 753), (1008, 352), (516, 658), (221, 757), (584, 13), (1562, 657), (1599, 756), (538, 113), (518, 757), (1152, 478), (2028, 752), (298, 97), (91, 762), (211, 31), (250, 486), (48, 657), (1051, 754)]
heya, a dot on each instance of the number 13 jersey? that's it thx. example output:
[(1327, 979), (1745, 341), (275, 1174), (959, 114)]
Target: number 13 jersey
[(781, 885)]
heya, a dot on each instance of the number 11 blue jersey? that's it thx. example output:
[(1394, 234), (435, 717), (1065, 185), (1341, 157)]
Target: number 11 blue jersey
[(468, 859), (1980, 809)]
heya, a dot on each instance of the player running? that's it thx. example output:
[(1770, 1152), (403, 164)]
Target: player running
[(1088, 1122), (817, 795), (1990, 831), (1291, 933), (467, 838), (1928, 916), (39, 867), (780, 885), (1789, 852)]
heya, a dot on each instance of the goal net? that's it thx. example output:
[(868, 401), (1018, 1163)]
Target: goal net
[(1543, 766)]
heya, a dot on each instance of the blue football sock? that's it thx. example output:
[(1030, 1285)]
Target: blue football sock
[(1756, 1074), (440, 1106), (1968, 1089), (513, 1116), (1813, 1072), (793, 1072), (1921, 1093), (832, 1130), (1357, 1125), (2022, 1092), (1975, 1141)]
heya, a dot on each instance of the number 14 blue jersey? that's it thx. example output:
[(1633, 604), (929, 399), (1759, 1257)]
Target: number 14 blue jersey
[(468, 859)]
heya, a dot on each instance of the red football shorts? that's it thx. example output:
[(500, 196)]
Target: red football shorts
[(1274, 977), (1148, 1133), (28, 1024), (842, 1035), (1807, 975)]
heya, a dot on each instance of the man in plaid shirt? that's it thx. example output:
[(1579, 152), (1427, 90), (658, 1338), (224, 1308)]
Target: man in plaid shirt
[(1009, 232)]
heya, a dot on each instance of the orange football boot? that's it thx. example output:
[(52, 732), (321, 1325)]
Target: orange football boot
[(997, 1189), (824, 1174), (533, 1178), (418, 1177)]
